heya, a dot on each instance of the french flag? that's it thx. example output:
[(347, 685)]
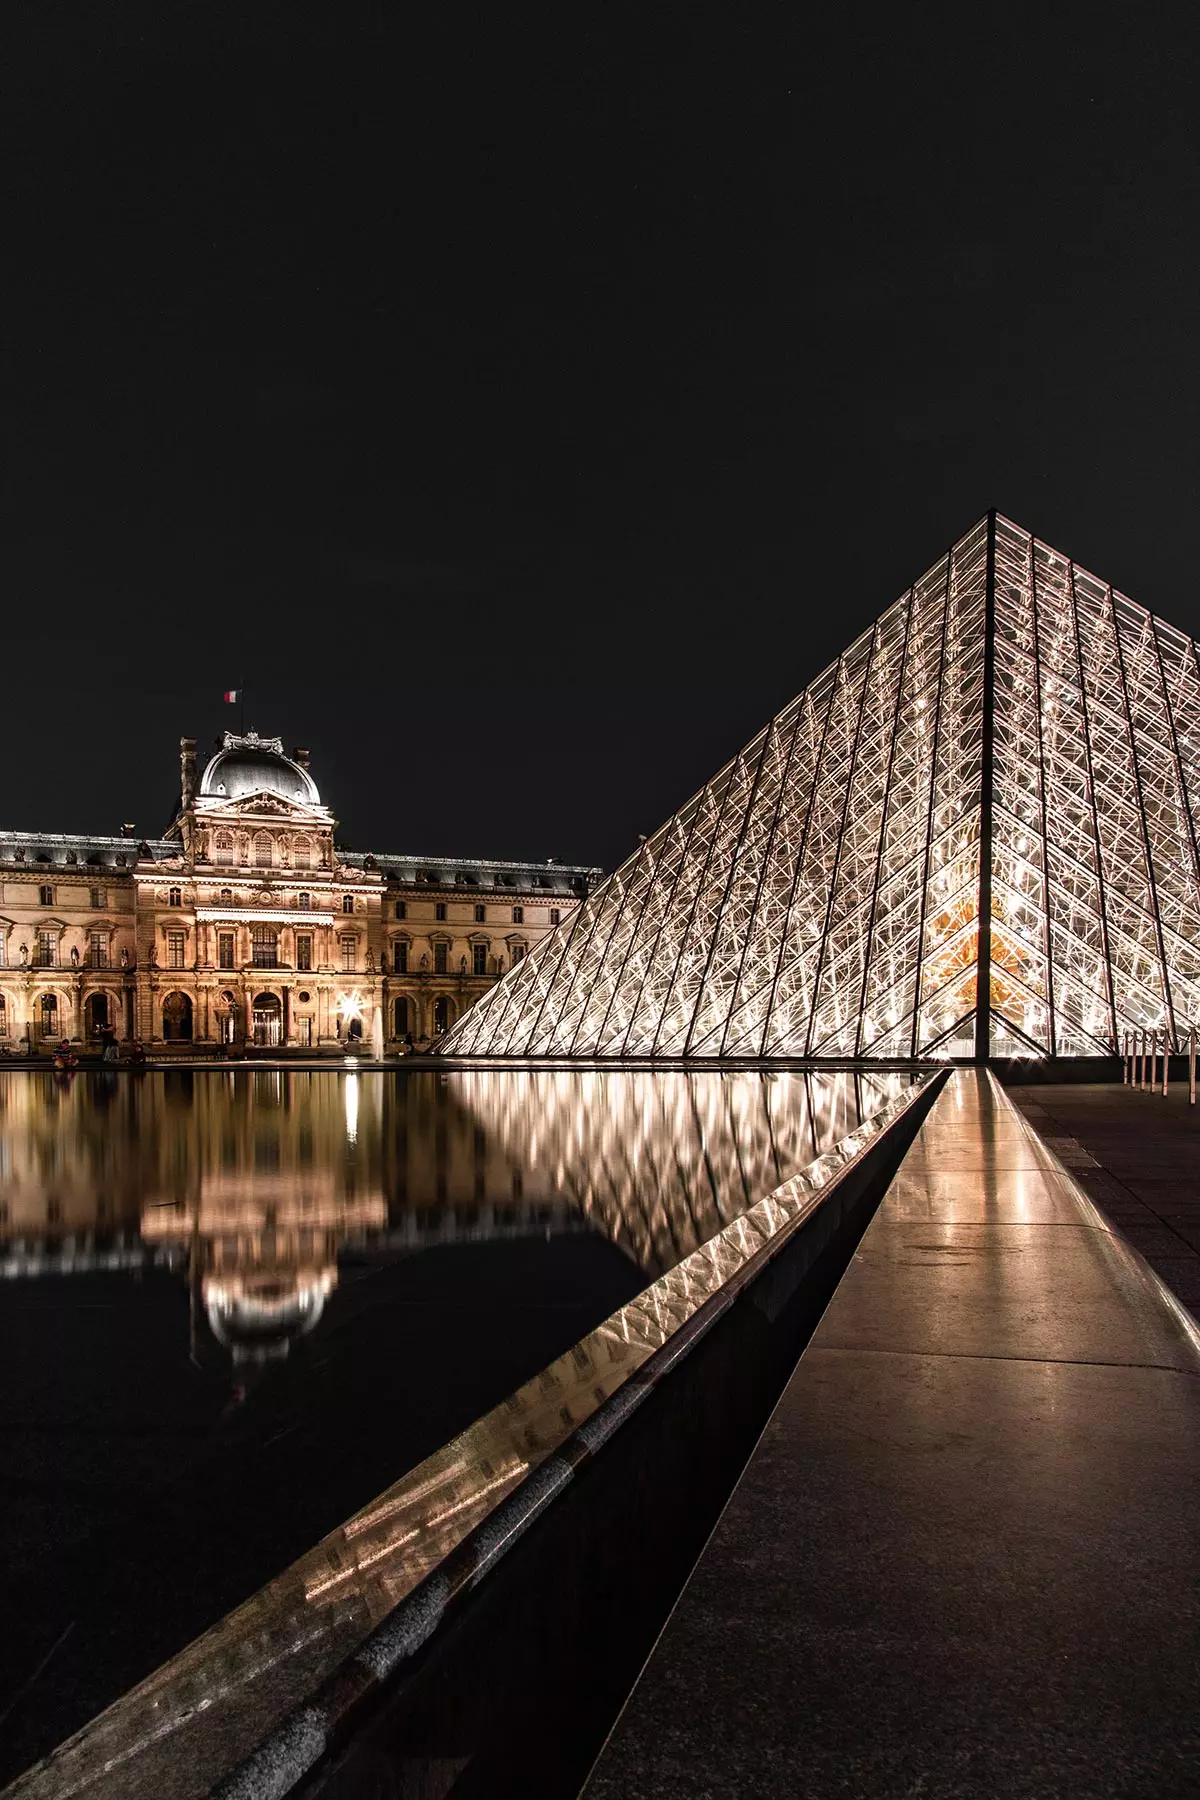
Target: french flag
[(232, 696)]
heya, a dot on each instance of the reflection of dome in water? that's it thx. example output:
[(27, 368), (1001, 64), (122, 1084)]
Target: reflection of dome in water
[(258, 1316), (256, 766)]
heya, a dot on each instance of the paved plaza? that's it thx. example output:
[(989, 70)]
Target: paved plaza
[(1137, 1156)]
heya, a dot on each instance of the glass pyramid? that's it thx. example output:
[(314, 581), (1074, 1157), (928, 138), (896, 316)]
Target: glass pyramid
[(1011, 741)]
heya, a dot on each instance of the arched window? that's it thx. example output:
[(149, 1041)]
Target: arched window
[(443, 1015), (223, 848), (177, 1019), (304, 901), (400, 1024), (302, 854), (48, 1014), (227, 896), (174, 896), (265, 947), (262, 849)]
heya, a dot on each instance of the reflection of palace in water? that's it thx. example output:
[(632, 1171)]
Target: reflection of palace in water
[(250, 1184)]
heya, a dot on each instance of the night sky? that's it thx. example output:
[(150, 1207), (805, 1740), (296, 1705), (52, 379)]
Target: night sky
[(523, 403)]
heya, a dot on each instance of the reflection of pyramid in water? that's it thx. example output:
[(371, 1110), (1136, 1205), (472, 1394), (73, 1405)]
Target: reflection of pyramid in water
[(1011, 740)]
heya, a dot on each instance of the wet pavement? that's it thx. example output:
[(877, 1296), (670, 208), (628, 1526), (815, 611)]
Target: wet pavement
[(1137, 1156)]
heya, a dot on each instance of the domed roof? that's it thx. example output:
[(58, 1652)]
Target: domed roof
[(254, 765)]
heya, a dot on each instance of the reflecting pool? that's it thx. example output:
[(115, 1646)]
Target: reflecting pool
[(235, 1305)]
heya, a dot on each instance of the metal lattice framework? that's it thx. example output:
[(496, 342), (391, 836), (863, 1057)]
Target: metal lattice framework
[(1012, 741)]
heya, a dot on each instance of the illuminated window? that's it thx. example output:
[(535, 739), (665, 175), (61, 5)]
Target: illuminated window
[(479, 959), (402, 909), (265, 947), (223, 848), (349, 951), (347, 903), (174, 896), (46, 955), (45, 896), (3, 1017), (518, 915), (480, 914), (176, 945), (400, 957), (555, 916), (97, 950), (262, 850), (302, 854), (225, 950), (303, 950), (48, 1008), (439, 911)]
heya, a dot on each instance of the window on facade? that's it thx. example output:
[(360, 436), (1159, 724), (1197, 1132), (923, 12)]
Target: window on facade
[(555, 916), (349, 949), (441, 953), (223, 848), (302, 854), (176, 944), (227, 896), (400, 957), (3, 952), (439, 910), (97, 897), (402, 909), (3, 1017), (304, 901), (348, 903), (225, 950), (518, 915), (262, 849), (479, 959), (518, 951), (265, 947), (45, 896), (97, 951), (303, 950), (480, 914), (48, 1007), (174, 896), (47, 950)]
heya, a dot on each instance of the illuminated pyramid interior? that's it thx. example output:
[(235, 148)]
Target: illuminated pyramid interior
[(1010, 741)]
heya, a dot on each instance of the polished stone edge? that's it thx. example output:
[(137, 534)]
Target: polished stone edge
[(415, 1619), (656, 1328)]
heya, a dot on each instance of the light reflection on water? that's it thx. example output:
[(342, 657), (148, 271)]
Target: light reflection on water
[(250, 1184)]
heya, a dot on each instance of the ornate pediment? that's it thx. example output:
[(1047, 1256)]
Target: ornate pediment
[(262, 806)]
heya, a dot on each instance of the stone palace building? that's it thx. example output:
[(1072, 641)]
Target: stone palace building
[(247, 924)]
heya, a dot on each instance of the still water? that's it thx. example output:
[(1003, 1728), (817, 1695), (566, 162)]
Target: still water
[(235, 1305)]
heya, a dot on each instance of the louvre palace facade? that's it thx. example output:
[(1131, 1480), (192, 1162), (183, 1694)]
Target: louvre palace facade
[(247, 924)]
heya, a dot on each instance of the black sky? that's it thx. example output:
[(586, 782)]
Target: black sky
[(526, 403)]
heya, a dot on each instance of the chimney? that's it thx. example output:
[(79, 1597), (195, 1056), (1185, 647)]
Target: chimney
[(301, 756), (187, 772)]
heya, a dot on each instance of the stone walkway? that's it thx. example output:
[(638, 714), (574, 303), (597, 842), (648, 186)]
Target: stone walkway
[(962, 1560), (1137, 1156)]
